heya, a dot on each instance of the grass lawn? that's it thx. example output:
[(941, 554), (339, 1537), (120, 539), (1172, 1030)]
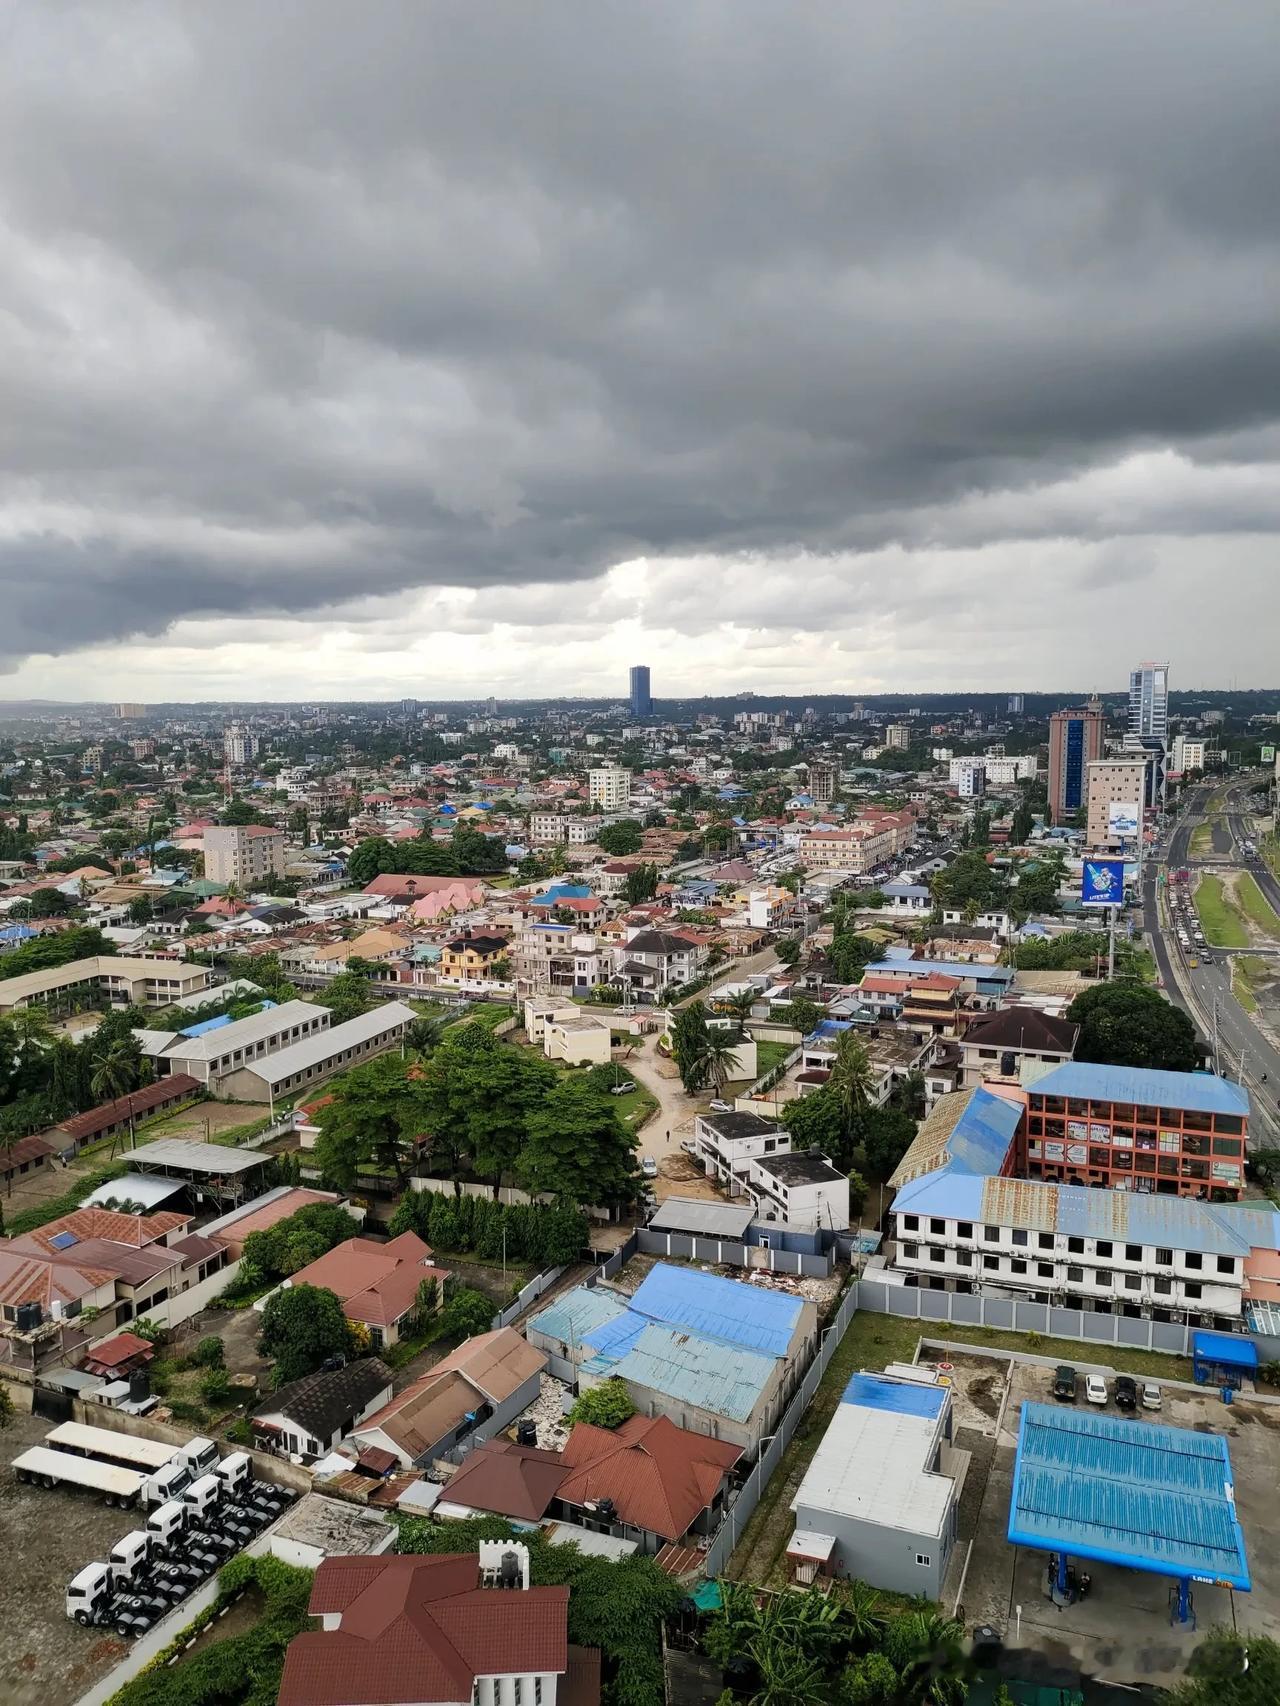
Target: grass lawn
[(1256, 905), (871, 1342), (636, 1106), (489, 1013), (1242, 986), (1222, 925), (769, 1055), (1201, 842)]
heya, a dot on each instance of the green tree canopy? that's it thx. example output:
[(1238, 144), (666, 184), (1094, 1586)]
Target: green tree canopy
[(1124, 1024), (621, 838), (379, 1111), (969, 883), (467, 1313), (478, 1094), (346, 996), (579, 1148), (605, 1406), (302, 1325), (1231, 1668)]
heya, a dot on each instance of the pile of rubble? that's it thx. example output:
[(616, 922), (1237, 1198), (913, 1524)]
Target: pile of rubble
[(547, 1413)]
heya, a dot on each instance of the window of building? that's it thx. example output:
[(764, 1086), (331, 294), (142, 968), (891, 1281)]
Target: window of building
[(1194, 1260), (1163, 1284), (964, 1258), (1103, 1247), (1044, 1270), (924, 1560), (910, 1223), (991, 1234), (1101, 1277), (1226, 1264), (1133, 1282), (991, 1263), (936, 1255), (1075, 1246), (1133, 1252), (911, 1252), (1017, 1265), (936, 1225), (1075, 1276), (1193, 1288), (1020, 1238), (964, 1229), (1226, 1146), (1164, 1258), (1046, 1240)]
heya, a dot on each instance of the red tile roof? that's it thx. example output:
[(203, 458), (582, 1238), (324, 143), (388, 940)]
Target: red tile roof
[(660, 1477), (420, 1628), (32, 1148), (103, 1224), (123, 1348), (510, 1480), (375, 1282), (172, 1089)]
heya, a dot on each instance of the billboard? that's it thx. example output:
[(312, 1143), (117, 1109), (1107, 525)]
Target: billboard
[(1102, 882), (1123, 818), (1268, 754)]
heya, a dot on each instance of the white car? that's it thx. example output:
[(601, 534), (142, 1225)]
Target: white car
[(1150, 1395), (1095, 1389), (649, 1167)]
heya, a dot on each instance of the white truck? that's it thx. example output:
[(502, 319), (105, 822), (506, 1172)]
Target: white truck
[(201, 1497), (235, 1471), (130, 1555), (167, 1524)]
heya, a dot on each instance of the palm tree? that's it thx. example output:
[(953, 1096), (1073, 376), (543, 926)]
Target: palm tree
[(718, 1051), (425, 1035), (738, 1005), (851, 1078), (114, 1076)]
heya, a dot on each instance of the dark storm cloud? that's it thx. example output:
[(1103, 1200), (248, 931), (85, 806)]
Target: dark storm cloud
[(302, 301)]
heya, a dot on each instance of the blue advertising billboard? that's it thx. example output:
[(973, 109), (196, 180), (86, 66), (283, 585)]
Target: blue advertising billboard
[(1102, 883)]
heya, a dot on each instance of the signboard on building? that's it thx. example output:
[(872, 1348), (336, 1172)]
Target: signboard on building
[(1268, 754), (1123, 818), (1102, 882)]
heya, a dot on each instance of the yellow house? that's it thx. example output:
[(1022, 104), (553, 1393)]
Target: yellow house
[(469, 957)]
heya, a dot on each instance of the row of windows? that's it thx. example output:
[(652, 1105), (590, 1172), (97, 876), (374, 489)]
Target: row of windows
[(1161, 1284), (1125, 1113), (1139, 1138), (1103, 1248)]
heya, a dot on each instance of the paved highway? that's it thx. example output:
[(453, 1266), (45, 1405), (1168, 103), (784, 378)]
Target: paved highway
[(1243, 1050)]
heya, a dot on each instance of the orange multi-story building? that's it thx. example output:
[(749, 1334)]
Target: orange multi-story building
[(1131, 1128)]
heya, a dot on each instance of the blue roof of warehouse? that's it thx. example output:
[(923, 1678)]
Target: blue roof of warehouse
[(900, 959), (576, 1313), (980, 1138), (717, 1308), (1201, 1092), (708, 1373), (1133, 1217), (901, 1397), (1123, 1492)]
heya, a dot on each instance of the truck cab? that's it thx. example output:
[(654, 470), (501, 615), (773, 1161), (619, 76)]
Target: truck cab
[(235, 1471), (90, 1594), (167, 1483), (200, 1455), (166, 1524), (201, 1497), (130, 1556)]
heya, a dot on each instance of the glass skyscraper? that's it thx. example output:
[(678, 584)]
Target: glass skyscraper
[(641, 699)]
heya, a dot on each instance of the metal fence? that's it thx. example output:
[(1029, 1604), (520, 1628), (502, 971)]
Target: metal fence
[(730, 1531), (727, 1250), (1021, 1316), (535, 1288), (618, 1260)]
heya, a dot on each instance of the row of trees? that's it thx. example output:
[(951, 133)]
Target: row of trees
[(479, 1108), (467, 852), (462, 1225), (45, 1078)]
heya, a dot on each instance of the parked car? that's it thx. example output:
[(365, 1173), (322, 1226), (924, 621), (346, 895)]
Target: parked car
[(1064, 1383), (1095, 1389), (1150, 1395), (721, 1107), (649, 1167), (623, 1089), (1126, 1392)]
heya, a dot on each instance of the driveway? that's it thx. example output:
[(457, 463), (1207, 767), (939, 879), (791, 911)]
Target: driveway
[(673, 1121)]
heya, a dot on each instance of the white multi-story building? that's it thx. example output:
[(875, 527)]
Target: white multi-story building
[(968, 776), (1188, 754), (549, 829), (239, 746), (1149, 701), (753, 1157), (609, 788), (1006, 772), (242, 853), (897, 737)]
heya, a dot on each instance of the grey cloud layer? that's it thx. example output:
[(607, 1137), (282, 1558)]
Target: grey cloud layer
[(304, 301)]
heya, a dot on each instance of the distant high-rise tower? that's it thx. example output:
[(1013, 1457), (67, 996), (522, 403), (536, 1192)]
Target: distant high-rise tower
[(1149, 702), (641, 700), (1075, 740), (1016, 703)]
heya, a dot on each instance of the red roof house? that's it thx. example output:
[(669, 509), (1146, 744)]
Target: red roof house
[(661, 1478), (377, 1284)]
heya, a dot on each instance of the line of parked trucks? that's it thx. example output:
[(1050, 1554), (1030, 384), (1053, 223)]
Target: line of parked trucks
[(201, 1510)]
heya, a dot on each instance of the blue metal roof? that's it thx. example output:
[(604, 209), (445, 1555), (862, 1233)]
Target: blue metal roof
[(1199, 1091), (902, 1397), (955, 1196), (577, 1313), (1123, 1492), (980, 1138), (725, 1309), (1224, 1348), (900, 959), (561, 891), (722, 1378)]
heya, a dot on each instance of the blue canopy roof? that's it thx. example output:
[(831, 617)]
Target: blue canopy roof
[(1228, 1350), (1123, 1492), (901, 1397), (1201, 1092)]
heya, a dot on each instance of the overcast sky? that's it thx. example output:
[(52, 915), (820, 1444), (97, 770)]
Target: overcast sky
[(360, 351)]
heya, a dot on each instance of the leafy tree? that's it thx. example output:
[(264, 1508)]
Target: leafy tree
[(467, 1313), (283, 1249), (1021, 825), (1125, 1025), (140, 910), (868, 1681), (801, 1014), (50, 903), (210, 1353), (886, 1134), (619, 839), (426, 1301), (814, 1122), (718, 1052), (1231, 1669), (241, 812), (1037, 891), (114, 1072), (369, 859), (7, 1410), (302, 1325), (738, 1005), (579, 1148), (852, 1080), (346, 996), (477, 1096), (373, 1123), (641, 884), (605, 1406), (477, 853), (850, 954), (788, 950), (968, 881)]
